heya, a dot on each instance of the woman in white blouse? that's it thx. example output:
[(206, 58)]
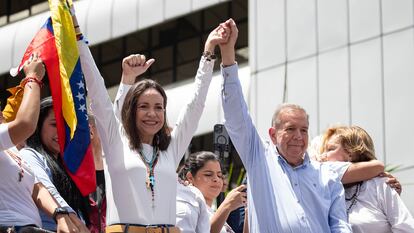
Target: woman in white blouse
[(372, 205), (203, 171), (142, 154)]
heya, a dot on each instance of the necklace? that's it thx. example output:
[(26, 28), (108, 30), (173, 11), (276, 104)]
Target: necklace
[(18, 160), (353, 198), (150, 165)]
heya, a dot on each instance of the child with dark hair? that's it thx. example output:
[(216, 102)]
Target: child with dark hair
[(203, 172)]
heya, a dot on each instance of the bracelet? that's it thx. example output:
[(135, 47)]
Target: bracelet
[(59, 210), (209, 55), (31, 79), (79, 36)]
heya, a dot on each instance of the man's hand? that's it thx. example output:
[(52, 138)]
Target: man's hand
[(133, 66), (219, 35), (392, 182), (227, 49)]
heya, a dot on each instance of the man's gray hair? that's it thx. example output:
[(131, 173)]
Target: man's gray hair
[(283, 108)]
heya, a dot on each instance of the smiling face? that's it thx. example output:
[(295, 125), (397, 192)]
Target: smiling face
[(48, 133), (150, 115), (290, 135), (209, 180)]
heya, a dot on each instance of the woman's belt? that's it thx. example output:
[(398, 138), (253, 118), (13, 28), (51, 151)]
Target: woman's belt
[(132, 228)]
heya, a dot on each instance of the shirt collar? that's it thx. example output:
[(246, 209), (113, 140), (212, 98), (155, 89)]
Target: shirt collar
[(306, 160)]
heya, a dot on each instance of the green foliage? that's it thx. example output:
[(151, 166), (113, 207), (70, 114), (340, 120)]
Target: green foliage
[(397, 168), (392, 168)]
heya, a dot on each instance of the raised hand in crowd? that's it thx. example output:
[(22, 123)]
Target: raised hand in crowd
[(34, 67), (26, 118), (219, 35), (133, 66)]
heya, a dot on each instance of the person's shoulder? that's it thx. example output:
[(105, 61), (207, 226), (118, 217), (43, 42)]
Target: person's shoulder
[(338, 167), (189, 194), (197, 193), (329, 170), (28, 152), (377, 181), (334, 164)]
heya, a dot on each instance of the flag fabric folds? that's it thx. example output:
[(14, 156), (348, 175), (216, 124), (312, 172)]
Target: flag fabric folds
[(13, 103), (57, 46)]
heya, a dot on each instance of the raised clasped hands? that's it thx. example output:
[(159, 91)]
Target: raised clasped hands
[(233, 32), (220, 35), (225, 35)]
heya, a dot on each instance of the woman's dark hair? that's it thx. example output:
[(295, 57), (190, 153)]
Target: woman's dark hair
[(129, 111), (60, 178), (195, 162)]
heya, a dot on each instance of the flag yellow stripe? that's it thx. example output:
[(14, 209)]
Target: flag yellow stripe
[(68, 53)]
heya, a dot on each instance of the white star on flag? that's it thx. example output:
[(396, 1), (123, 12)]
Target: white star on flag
[(80, 96), (80, 85), (82, 108)]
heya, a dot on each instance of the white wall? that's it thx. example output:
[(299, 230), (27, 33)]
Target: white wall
[(340, 68)]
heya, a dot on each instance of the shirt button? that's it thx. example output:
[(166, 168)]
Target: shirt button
[(296, 184)]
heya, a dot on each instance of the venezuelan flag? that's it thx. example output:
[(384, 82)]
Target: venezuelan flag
[(57, 46)]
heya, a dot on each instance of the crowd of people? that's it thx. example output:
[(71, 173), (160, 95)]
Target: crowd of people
[(136, 153)]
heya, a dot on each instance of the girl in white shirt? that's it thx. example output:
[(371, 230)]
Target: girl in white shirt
[(203, 171), (372, 206)]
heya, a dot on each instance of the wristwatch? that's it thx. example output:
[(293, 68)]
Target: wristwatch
[(59, 210)]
